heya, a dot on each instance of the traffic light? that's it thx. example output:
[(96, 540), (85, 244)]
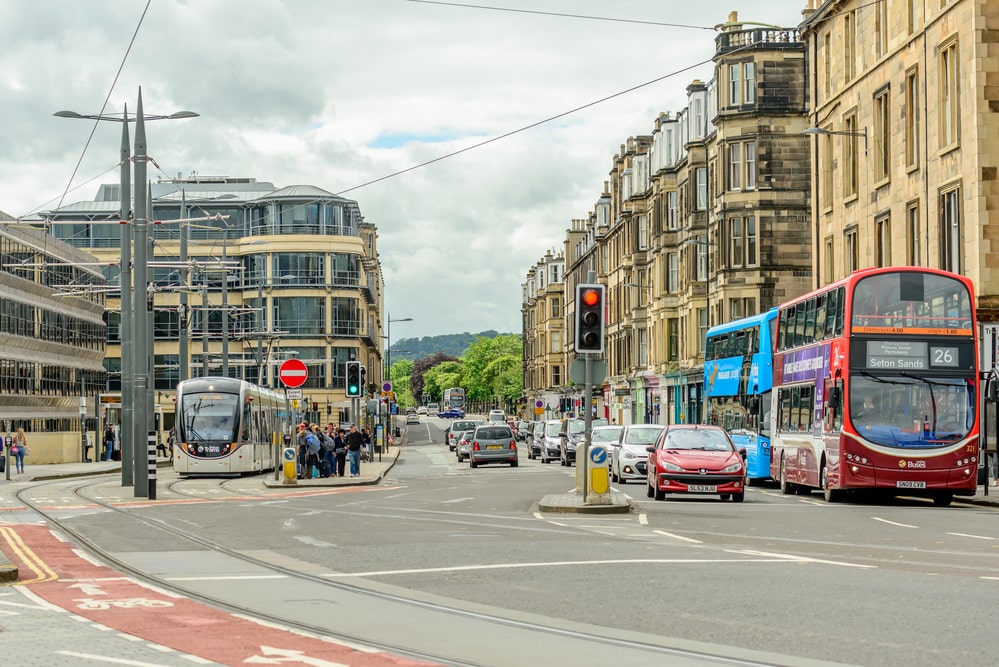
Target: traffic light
[(353, 378), (590, 318), (364, 378)]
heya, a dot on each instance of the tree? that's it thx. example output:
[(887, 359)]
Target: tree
[(421, 366), (493, 369)]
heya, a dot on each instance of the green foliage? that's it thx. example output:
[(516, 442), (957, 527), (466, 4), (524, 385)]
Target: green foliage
[(492, 368), (453, 345)]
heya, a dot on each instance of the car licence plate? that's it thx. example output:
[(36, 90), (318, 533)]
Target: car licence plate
[(910, 485), (702, 488), (494, 446)]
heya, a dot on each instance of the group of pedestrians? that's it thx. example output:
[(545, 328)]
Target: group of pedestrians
[(326, 453)]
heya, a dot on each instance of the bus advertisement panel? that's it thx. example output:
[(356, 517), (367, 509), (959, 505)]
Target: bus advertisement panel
[(738, 377), (875, 386)]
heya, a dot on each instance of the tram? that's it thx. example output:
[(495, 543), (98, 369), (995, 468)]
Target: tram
[(226, 427)]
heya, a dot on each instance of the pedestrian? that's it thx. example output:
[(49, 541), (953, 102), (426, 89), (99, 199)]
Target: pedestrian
[(19, 447), (171, 439), (340, 452), (303, 448), (108, 443), (315, 450), (366, 447), (355, 440), (327, 462), (160, 447)]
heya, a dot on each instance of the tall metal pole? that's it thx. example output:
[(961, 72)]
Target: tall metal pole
[(261, 319), (225, 302), (204, 325), (126, 428), (139, 308), (184, 315)]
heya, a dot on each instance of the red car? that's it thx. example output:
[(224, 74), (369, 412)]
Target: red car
[(696, 459)]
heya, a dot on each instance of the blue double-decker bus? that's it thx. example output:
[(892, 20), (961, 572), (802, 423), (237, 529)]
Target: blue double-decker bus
[(738, 379)]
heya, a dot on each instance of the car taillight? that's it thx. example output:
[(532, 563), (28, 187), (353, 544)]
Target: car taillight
[(475, 445), (513, 445)]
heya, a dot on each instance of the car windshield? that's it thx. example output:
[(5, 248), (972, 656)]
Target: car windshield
[(704, 440), (606, 435), (642, 436), (576, 426), (552, 428)]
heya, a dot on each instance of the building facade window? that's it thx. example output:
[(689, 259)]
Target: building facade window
[(951, 233), (672, 210), (702, 329), (556, 376), (827, 64), (702, 188), (735, 166), (850, 173), (849, 45), (672, 273), (735, 309), (556, 307), (880, 29), (950, 96), (734, 85), (882, 240), (673, 335), (555, 342), (826, 176), (749, 81), (829, 259), (912, 117), (702, 259), (643, 233), (750, 155), (912, 233), (851, 251), (882, 135)]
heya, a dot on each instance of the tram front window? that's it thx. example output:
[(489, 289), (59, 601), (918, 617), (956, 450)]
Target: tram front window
[(209, 417)]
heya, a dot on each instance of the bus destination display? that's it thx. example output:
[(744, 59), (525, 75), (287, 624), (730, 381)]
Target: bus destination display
[(910, 355)]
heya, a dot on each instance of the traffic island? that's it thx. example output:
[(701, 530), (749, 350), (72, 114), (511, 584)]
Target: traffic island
[(574, 503), (8, 570)]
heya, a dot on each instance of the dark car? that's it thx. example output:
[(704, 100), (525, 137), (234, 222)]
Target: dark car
[(452, 413), (572, 436), (493, 443), (696, 459)]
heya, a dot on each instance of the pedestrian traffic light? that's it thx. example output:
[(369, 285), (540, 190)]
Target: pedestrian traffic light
[(590, 318), (353, 378)]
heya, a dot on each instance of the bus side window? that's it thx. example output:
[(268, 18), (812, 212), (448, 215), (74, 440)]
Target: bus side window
[(820, 317), (832, 304)]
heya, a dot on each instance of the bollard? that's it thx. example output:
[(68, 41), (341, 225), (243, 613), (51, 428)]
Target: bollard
[(151, 463), (289, 466)]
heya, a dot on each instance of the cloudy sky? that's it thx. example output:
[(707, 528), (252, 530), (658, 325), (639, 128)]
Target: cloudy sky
[(345, 94)]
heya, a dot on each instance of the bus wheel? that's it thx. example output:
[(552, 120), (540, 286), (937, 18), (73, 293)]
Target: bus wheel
[(785, 487), (943, 499), (831, 495)]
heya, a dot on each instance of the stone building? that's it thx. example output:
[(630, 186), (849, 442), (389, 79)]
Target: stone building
[(906, 117), (543, 312), (702, 221)]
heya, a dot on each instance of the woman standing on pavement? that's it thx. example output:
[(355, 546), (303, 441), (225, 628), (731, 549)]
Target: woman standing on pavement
[(19, 449)]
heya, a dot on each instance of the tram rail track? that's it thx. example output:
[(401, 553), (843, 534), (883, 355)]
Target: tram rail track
[(133, 512)]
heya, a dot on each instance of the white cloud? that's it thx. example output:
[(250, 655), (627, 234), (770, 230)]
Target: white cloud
[(320, 92)]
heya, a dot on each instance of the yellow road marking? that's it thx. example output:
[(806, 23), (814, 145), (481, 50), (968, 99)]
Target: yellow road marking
[(42, 571)]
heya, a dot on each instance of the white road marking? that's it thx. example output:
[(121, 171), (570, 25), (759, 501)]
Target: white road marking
[(992, 578), (502, 566), (803, 559), (311, 541), (977, 537), (893, 523), (456, 500), (678, 537), (643, 519), (108, 660)]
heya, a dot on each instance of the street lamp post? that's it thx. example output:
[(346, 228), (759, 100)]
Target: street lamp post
[(137, 349)]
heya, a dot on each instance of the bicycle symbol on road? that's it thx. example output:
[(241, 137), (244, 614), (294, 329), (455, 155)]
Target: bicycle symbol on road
[(90, 604)]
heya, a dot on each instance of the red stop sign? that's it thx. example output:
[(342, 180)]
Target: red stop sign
[(293, 373)]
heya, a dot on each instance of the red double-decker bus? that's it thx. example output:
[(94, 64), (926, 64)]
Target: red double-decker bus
[(876, 385)]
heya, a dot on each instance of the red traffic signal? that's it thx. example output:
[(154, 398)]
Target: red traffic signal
[(590, 318)]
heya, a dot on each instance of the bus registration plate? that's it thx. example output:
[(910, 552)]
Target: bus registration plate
[(702, 488), (905, 484)]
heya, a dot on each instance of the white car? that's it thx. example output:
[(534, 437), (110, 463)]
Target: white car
[(609, 436), (631, 455), (496, 417), (422, 410)]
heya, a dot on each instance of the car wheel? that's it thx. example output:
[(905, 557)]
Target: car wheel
[(649, 491), (514, 464), (660, 494), (785, 487), (738, 497), (472, 463)]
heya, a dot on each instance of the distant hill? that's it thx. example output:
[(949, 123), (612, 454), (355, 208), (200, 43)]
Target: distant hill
[(453, 344)]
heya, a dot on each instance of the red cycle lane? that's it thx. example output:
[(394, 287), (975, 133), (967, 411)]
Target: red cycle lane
[(52, 569)]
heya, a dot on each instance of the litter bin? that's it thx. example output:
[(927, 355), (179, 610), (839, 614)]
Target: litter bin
[(398, 433)]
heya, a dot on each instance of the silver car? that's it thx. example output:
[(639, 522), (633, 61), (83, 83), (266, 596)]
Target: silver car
[(631, 455), (550, 442), (493, 443), (463, 444), (456, 427)]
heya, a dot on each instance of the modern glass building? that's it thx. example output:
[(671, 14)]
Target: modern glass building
[(52, 341), (270, 273)]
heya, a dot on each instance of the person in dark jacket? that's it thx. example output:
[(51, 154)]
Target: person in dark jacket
[(340, 451), (354, 443)]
